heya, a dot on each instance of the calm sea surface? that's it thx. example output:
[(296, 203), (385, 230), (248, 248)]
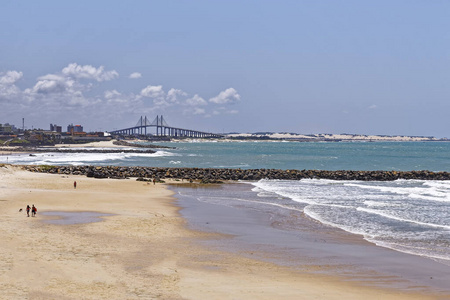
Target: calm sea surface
[(433, 156), (411, 216)]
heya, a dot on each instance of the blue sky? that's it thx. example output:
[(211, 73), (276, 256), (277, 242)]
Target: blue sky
[(367, 67)]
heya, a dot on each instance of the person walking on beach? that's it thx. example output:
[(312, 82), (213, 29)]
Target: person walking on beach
[(33, 211), (74, 184), (28, 210)]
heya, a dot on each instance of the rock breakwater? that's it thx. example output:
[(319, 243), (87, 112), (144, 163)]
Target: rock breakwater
[(127, 144), (217, 175)]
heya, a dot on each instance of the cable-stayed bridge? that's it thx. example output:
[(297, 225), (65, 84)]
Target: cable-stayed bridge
[(162, 129)]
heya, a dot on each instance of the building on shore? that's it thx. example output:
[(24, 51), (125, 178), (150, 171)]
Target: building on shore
[(7, 128), (55, 128), (74, 129)]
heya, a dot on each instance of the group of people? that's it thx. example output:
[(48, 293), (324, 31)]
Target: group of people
[(33, 210)]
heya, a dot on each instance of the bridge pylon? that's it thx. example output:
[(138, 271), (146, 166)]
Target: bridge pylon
[(162, 129)]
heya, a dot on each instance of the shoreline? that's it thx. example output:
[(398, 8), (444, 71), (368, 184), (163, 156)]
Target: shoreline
[(293, 239), (144, 250)]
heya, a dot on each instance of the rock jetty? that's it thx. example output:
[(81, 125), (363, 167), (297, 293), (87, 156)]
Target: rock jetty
[(128, 144), (206, 175)]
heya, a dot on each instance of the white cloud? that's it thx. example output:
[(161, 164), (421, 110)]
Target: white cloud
[(112, 94), (78, 99), (135, 75), (198, 111), (49, 86), (224, 110), (157, 94), (172, 95), (63, 91), (373, 106), (89, 72), (230, 95), (233, 112), (196, 101), (153, 91), (8, 89), (10, 77), (116, 98), (53, 77), (194, 110), (76, 92)]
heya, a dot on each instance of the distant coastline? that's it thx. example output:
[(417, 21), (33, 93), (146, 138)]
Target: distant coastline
[(332, 137)]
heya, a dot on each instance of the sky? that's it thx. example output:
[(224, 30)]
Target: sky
[(358, 67)]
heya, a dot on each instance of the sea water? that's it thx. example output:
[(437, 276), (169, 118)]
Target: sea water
[(398, 156), (411, 216)]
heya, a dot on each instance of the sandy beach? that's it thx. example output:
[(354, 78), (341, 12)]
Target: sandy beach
[(141, 249)]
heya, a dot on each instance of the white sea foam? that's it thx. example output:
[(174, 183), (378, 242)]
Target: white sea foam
[(164, 153), (393, 217), (232, 166), (262, 193), (308, 210), (56, 158), (401, 215), (371, 203), (228, 201), (438, 184), (423, 190)]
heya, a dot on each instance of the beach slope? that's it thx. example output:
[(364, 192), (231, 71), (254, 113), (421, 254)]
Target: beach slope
[(139, 248)]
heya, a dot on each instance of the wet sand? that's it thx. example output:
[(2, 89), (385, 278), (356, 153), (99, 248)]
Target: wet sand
[(290, 238), (142, 249)]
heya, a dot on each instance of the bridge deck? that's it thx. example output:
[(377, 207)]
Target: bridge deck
[(165, 131), (162, 129)]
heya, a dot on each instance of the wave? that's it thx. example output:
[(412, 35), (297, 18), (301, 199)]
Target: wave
[(394, 242), (79, 158), (310, 213), (372, 203), (232, 166), (227, 201), (400, 215), (392, 217), (430, 191)]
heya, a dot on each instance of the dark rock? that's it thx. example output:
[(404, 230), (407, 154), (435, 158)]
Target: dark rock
[(219, 175)]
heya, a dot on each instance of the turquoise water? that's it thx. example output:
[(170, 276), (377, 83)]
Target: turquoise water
[(399, 156), (324, 156)]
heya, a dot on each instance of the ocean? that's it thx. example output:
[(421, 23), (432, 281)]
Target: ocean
[(409, 216), (399, 156)]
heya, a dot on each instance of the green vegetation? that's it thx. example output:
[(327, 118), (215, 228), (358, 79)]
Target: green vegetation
[(18, 142), (46, 168)]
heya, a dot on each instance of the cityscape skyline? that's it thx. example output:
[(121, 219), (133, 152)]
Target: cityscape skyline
[(376, 68)]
